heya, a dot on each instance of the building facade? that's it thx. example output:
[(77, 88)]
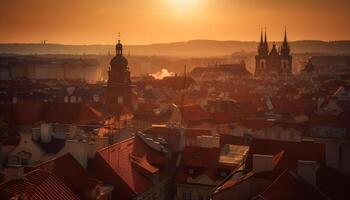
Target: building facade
[(274, 61)]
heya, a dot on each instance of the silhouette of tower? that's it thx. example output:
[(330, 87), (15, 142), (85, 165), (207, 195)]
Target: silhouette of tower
[(261, 58), (274, 61), (119, 82), (286, 58)]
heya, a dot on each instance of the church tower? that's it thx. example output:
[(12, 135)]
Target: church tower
[(286, 58), (119, 82), (261, 58), (276, 61)]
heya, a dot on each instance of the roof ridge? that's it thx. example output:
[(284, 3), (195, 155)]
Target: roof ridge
[(116, 144)]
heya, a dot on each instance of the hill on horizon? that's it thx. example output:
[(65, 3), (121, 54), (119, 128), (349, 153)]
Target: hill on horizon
[(192, 48)]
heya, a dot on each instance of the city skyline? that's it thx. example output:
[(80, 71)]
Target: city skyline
[(156, 21)]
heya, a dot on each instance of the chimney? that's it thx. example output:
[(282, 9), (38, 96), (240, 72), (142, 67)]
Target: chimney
[(206, 141), (307, 171), (13, 172), (262, 163), (45, 130), (14, 100)]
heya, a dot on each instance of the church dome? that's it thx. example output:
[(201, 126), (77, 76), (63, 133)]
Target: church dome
[(119, 62)]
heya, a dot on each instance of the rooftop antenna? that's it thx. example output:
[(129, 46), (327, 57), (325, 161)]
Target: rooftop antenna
[(183, 96)]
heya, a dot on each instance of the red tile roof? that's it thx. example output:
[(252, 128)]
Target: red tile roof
[(31, 112), (70, 113), (123, 164), (233, 182), (289, 187), (76, 177), (293, 151), (37, 185), (194, 113), (204, 161)]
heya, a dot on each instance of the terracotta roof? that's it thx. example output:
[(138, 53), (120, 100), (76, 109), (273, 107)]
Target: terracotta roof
[(293, 151), (37, 185), (233, 182), (27, 112), (76, 177), (194, 113), (333, 183), (70, 113), (123, 164), (193, 132), (204, 161), (289, 187)]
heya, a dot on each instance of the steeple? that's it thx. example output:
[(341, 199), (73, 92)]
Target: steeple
[(261, 37), (285, 35), (265, 45), (285, 50)]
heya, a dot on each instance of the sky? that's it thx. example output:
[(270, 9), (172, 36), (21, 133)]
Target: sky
[(159, 21)]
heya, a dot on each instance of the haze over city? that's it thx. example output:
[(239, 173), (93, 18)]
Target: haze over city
[(157, 21)]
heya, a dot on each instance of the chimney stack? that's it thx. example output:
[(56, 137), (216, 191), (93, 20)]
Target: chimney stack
[(307, 171), (13, 172)]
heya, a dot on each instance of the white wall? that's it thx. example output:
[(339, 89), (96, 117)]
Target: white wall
[(26, 144)]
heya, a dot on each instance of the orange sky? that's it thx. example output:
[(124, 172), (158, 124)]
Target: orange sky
[(156, 21)]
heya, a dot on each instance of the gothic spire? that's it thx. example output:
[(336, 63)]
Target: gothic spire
[(285, 35)]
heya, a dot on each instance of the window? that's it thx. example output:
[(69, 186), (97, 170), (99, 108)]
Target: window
[(186, 196), (262, 64), (203, 197), (223, 174)]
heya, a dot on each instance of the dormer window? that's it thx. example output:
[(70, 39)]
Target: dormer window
[(223, 174), (120, 100)]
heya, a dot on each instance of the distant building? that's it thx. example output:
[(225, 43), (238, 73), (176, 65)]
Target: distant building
[(40, 67), (219, 72), (276, 61)]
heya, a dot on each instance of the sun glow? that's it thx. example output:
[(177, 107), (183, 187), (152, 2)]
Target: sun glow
[(184, 7)]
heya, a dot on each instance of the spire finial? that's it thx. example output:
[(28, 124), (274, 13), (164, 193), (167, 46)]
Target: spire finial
[(265, 35), (285, 33), (261, 35), (118, 37)]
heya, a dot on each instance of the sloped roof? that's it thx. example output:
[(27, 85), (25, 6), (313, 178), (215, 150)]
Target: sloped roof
[(70, 113), (70, 171), (37, 185), (122, 158), (293, 151), (194, 113), (289, 187)]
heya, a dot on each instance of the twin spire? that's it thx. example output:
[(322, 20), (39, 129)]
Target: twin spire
[(261, 37), (265, 36), (263, 48)]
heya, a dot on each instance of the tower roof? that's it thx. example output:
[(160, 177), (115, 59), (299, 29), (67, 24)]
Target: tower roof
[(285, 50), (119, 61)]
